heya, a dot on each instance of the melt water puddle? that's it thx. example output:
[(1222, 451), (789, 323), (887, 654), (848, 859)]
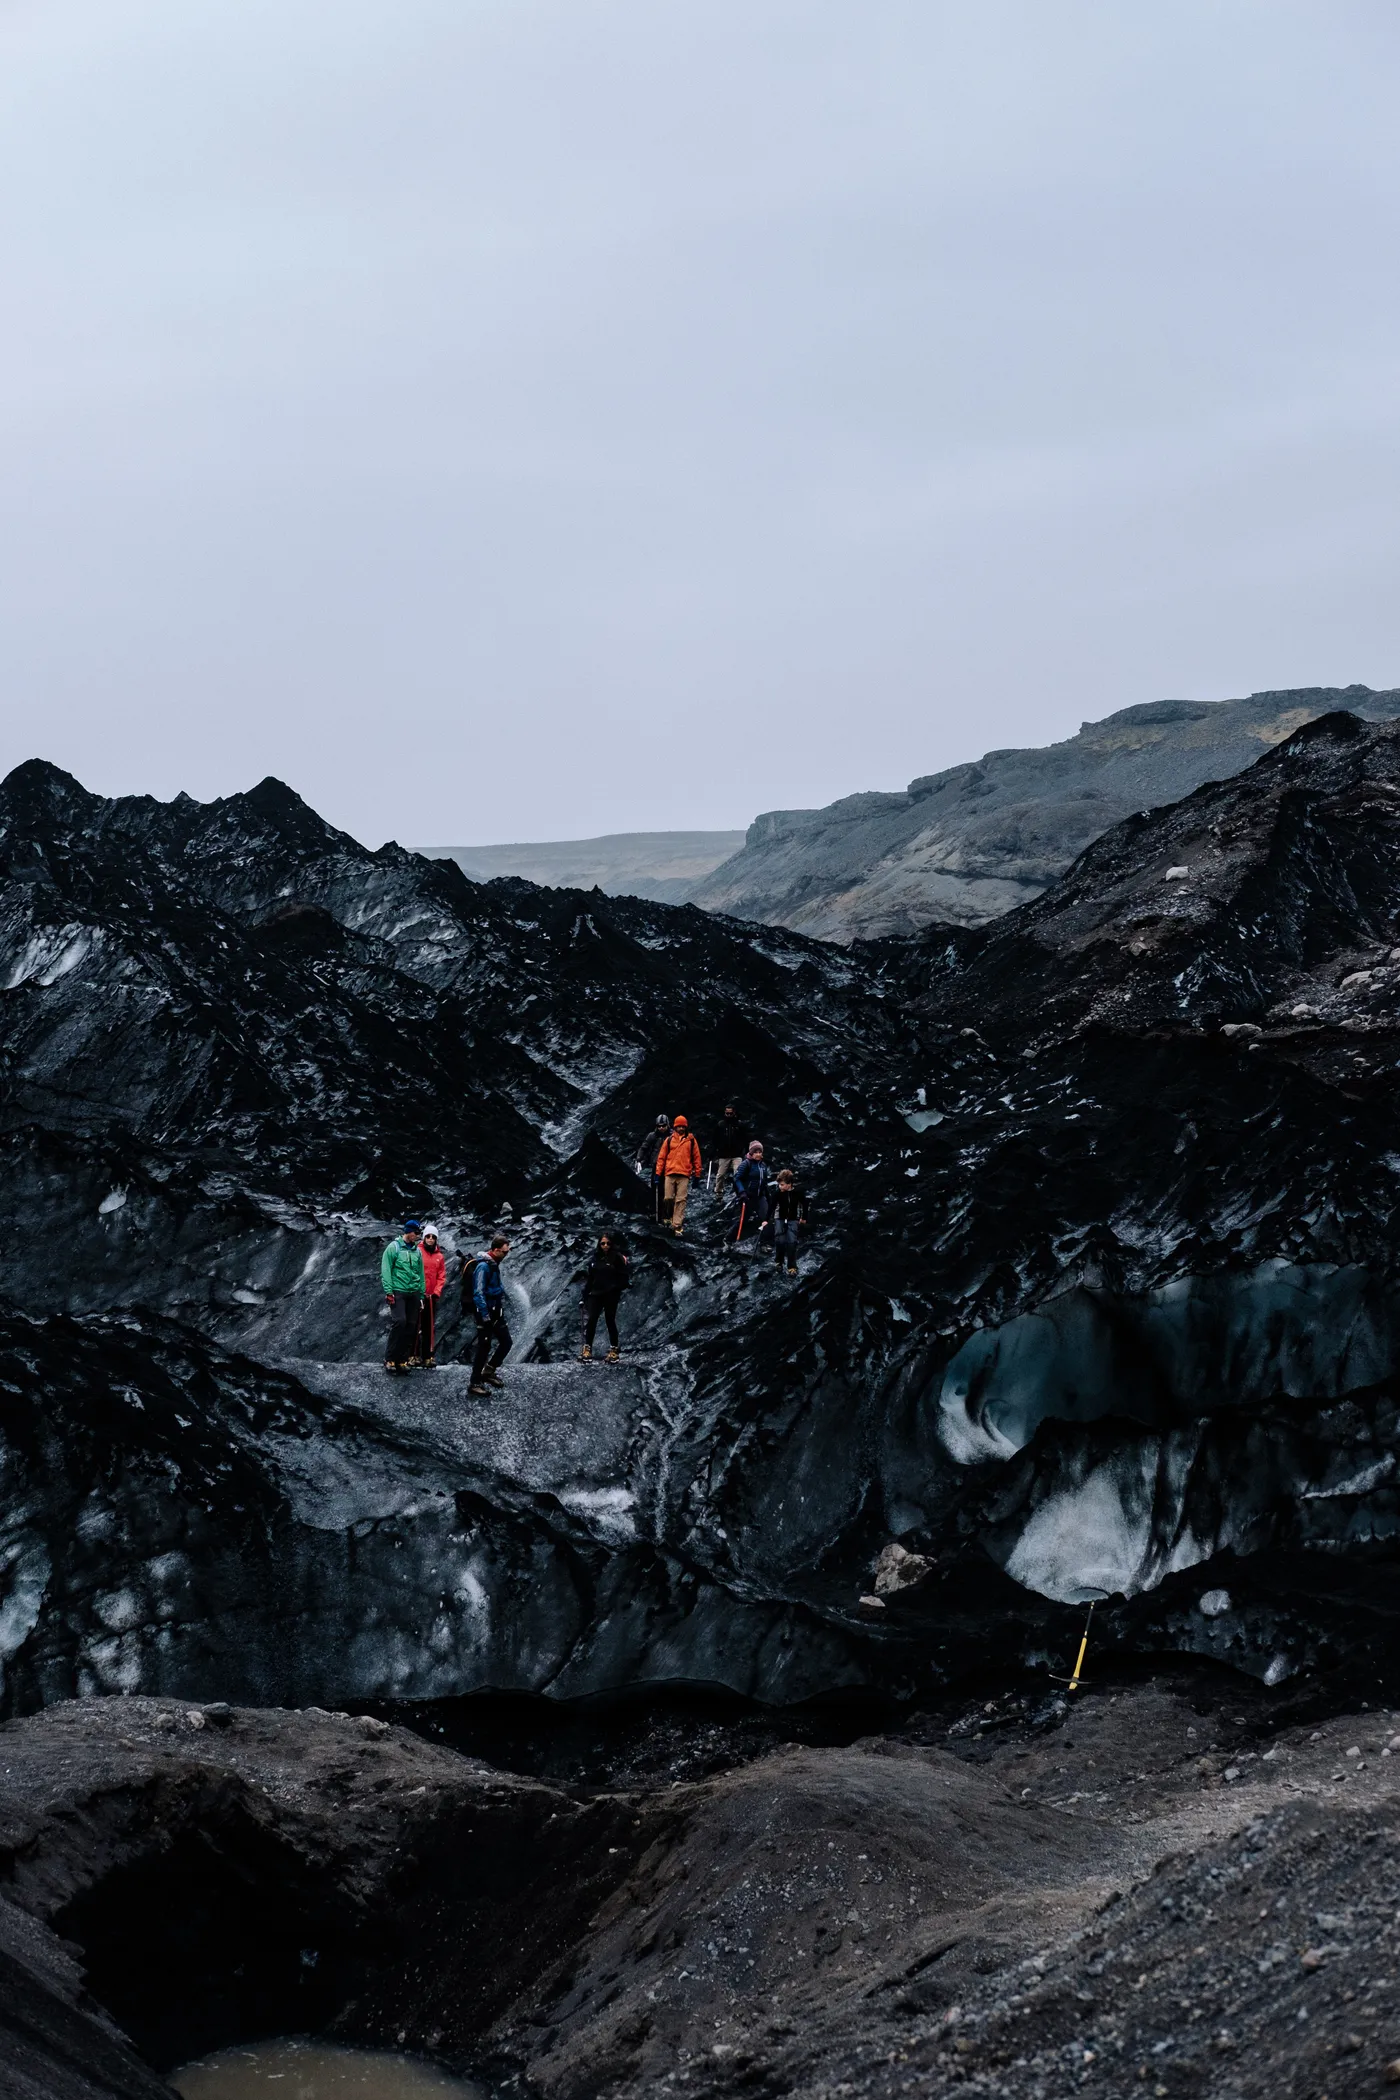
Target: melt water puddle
[(295, 2070)]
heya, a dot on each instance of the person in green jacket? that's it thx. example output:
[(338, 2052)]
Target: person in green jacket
[(401, 1276)]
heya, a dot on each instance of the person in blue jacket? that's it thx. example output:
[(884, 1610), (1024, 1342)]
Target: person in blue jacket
[(752, 1183), (483, 1289)]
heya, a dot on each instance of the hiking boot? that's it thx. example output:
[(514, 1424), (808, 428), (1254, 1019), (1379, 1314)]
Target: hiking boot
[(612, 1356), (585, 1354), (392, 1369), (479, 1392), (429, 1363), (493, 1378), (792, 1269)]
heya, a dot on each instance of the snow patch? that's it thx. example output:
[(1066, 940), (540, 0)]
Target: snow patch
[(920, 1119), (49, 956)]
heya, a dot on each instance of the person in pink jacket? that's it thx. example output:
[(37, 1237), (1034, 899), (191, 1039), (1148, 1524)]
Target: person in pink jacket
[(434, 1277)]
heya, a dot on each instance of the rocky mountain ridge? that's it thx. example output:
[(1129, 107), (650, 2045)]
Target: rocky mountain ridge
[(971, 843)]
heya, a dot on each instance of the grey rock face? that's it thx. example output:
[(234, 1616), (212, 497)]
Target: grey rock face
[(968, 845)]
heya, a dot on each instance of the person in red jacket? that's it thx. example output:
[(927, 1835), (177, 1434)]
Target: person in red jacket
[(677, 1165), (434, 1277)]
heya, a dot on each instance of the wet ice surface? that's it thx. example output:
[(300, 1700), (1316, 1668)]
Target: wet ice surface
[(298, 2070), (568, 1428)]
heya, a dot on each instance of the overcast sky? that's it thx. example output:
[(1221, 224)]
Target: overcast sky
[(511, 419)]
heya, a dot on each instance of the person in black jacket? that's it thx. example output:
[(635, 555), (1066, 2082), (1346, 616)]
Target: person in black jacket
[(645, 1159), (789, 1214), (731, 1143), (605, 1279)]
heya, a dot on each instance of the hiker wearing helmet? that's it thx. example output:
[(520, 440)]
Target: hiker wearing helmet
[(789, 1215), (677, 1165), (434, 1277), (730, 1145), (605, 1279), (483, 1289), (401, 1280), (752, 1186)]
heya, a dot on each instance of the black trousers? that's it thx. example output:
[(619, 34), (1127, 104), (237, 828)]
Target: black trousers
[(427, 1327), (493, 1341), (604, 1302), (404, 1315)]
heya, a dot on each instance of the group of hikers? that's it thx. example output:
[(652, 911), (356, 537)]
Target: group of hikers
[(412, 1273), (413, 1269), (768, 1202)]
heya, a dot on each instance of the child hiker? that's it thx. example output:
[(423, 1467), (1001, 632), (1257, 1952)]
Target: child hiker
[(789, 1214)]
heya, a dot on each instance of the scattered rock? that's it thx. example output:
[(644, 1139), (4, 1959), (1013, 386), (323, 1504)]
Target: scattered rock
[(899, 1569)]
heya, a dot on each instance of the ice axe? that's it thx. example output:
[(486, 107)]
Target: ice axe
[(1095, 1597)]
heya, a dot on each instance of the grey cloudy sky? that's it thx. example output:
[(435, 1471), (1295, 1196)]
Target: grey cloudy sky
[(529, 418)]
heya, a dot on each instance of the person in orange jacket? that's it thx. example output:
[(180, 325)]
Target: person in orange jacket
[(434, 1277), (677, 1165)]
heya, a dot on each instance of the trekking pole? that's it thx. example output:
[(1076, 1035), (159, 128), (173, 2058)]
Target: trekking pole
[(743, 1206)]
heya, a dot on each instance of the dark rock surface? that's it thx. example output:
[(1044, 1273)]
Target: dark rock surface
[(1183, 1881), (229, 1873), (233, 1043), (969, 844), (1098, 1296), (56, 2043)]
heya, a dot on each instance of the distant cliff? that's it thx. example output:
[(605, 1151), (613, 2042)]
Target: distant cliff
[(967, 845), (662, 865)]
